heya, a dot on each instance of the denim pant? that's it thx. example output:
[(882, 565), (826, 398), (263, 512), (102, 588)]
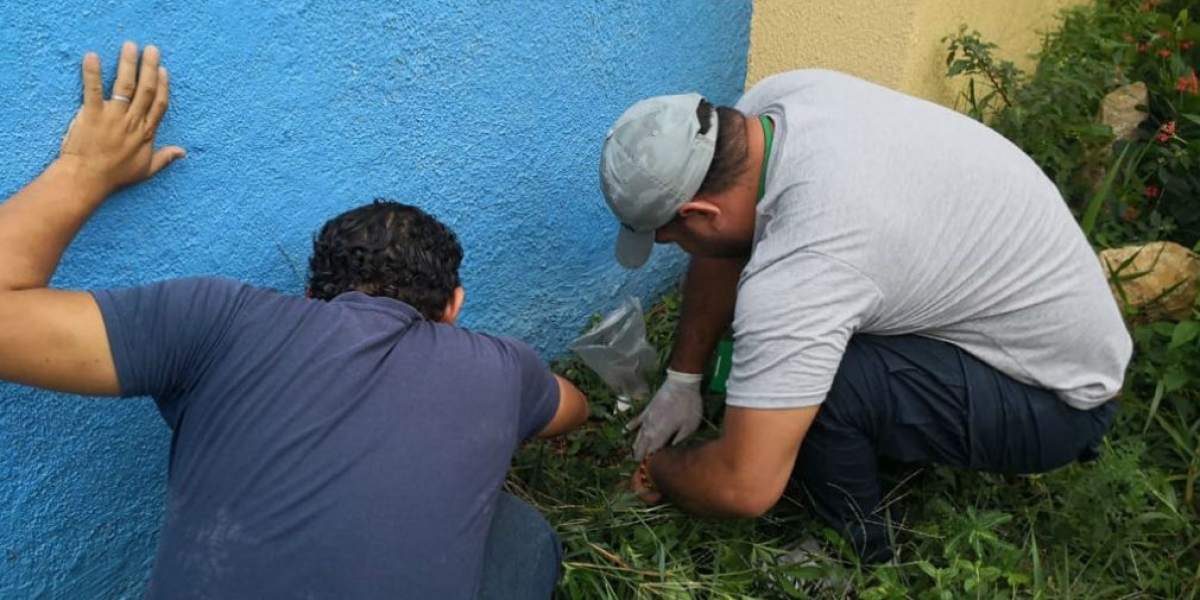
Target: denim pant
[(917, 400), (523, 556)]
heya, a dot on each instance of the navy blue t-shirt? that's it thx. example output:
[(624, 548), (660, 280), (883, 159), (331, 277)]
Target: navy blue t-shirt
[(346, 449)]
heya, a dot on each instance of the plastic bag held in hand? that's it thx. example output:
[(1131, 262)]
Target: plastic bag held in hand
[(617, 350), (673, 414)]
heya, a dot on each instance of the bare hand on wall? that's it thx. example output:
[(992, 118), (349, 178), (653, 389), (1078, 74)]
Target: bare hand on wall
[(56, 339), (111, 142)]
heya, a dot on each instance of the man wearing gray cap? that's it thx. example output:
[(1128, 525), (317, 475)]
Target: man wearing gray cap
[(903, 284)]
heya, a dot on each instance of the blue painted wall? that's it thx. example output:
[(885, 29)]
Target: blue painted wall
[(488, 114)]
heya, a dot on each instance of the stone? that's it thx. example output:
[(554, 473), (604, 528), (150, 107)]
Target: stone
[(1120, 111), (1154, 281)]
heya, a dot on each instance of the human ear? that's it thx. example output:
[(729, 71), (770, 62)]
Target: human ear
[(453, 306)]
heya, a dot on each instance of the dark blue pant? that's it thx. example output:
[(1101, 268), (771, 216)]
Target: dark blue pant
[(917, 400), (523, 556)]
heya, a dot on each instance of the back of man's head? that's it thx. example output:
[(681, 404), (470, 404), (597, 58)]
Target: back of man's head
[(387, 249)]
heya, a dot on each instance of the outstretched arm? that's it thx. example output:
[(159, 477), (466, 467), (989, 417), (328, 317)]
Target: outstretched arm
[(572, 410), (741, 474), (56, 339)]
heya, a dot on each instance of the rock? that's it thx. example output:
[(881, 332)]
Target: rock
[(1154, 281), (1120, 111)]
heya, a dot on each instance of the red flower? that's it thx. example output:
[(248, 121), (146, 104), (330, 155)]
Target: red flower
[(1166, 132), (1189, 83), (1141, 47), (1164, 53), (1186, 44), (1131, 214), (1152, 191)]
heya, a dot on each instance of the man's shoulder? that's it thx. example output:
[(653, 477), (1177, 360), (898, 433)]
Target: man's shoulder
[(779, 86), (798, 76), (486, 346), (201, 284), (197, 293)]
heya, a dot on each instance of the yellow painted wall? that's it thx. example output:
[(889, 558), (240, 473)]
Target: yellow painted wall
[(896, 43)]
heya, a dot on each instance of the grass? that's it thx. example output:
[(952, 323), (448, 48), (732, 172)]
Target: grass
[(1124, 526)]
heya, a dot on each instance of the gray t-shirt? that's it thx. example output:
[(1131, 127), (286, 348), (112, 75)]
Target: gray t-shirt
[(342, 449), (890, 215)]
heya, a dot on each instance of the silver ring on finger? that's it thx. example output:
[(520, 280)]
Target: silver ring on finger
[(120, 98)]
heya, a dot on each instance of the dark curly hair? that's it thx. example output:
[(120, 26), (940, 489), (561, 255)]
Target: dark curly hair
[(387, 249), (730, 155)]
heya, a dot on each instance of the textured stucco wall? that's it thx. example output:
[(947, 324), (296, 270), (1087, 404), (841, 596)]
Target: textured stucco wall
[(897, 44), (1016, 25), (488, 114), (860, 37)]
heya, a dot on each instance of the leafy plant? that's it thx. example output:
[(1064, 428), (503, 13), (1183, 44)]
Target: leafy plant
[(1052, 112)]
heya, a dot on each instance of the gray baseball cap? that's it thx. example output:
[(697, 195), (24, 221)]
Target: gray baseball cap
[(654, 160)]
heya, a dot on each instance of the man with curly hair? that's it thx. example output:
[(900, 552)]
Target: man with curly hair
[(348, 445)]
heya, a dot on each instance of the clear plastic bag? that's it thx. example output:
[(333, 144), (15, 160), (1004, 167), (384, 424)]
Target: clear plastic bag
[(617, 350)]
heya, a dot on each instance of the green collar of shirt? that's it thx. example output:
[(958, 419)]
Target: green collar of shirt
[(769, 135)]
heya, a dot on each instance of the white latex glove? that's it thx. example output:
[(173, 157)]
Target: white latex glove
[(675, 410)]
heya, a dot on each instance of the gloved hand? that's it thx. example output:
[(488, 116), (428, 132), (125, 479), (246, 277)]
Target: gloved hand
[(675, 410)]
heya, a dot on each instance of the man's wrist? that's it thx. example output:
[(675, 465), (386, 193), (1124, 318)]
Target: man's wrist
[(685, 377), (681, 364), (88, 181)]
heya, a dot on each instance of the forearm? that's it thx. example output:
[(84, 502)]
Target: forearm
[(709, 297), (699, 480), (39, 222)]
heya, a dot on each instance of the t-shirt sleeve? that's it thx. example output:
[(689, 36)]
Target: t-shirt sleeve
[(164, 334), (539, 390), (791, 326)]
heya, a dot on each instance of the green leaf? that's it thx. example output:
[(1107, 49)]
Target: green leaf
[(1158, 396), (1184, 333), (1098, 200), (1163, 328), (1039, 576), (1174, 379)]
